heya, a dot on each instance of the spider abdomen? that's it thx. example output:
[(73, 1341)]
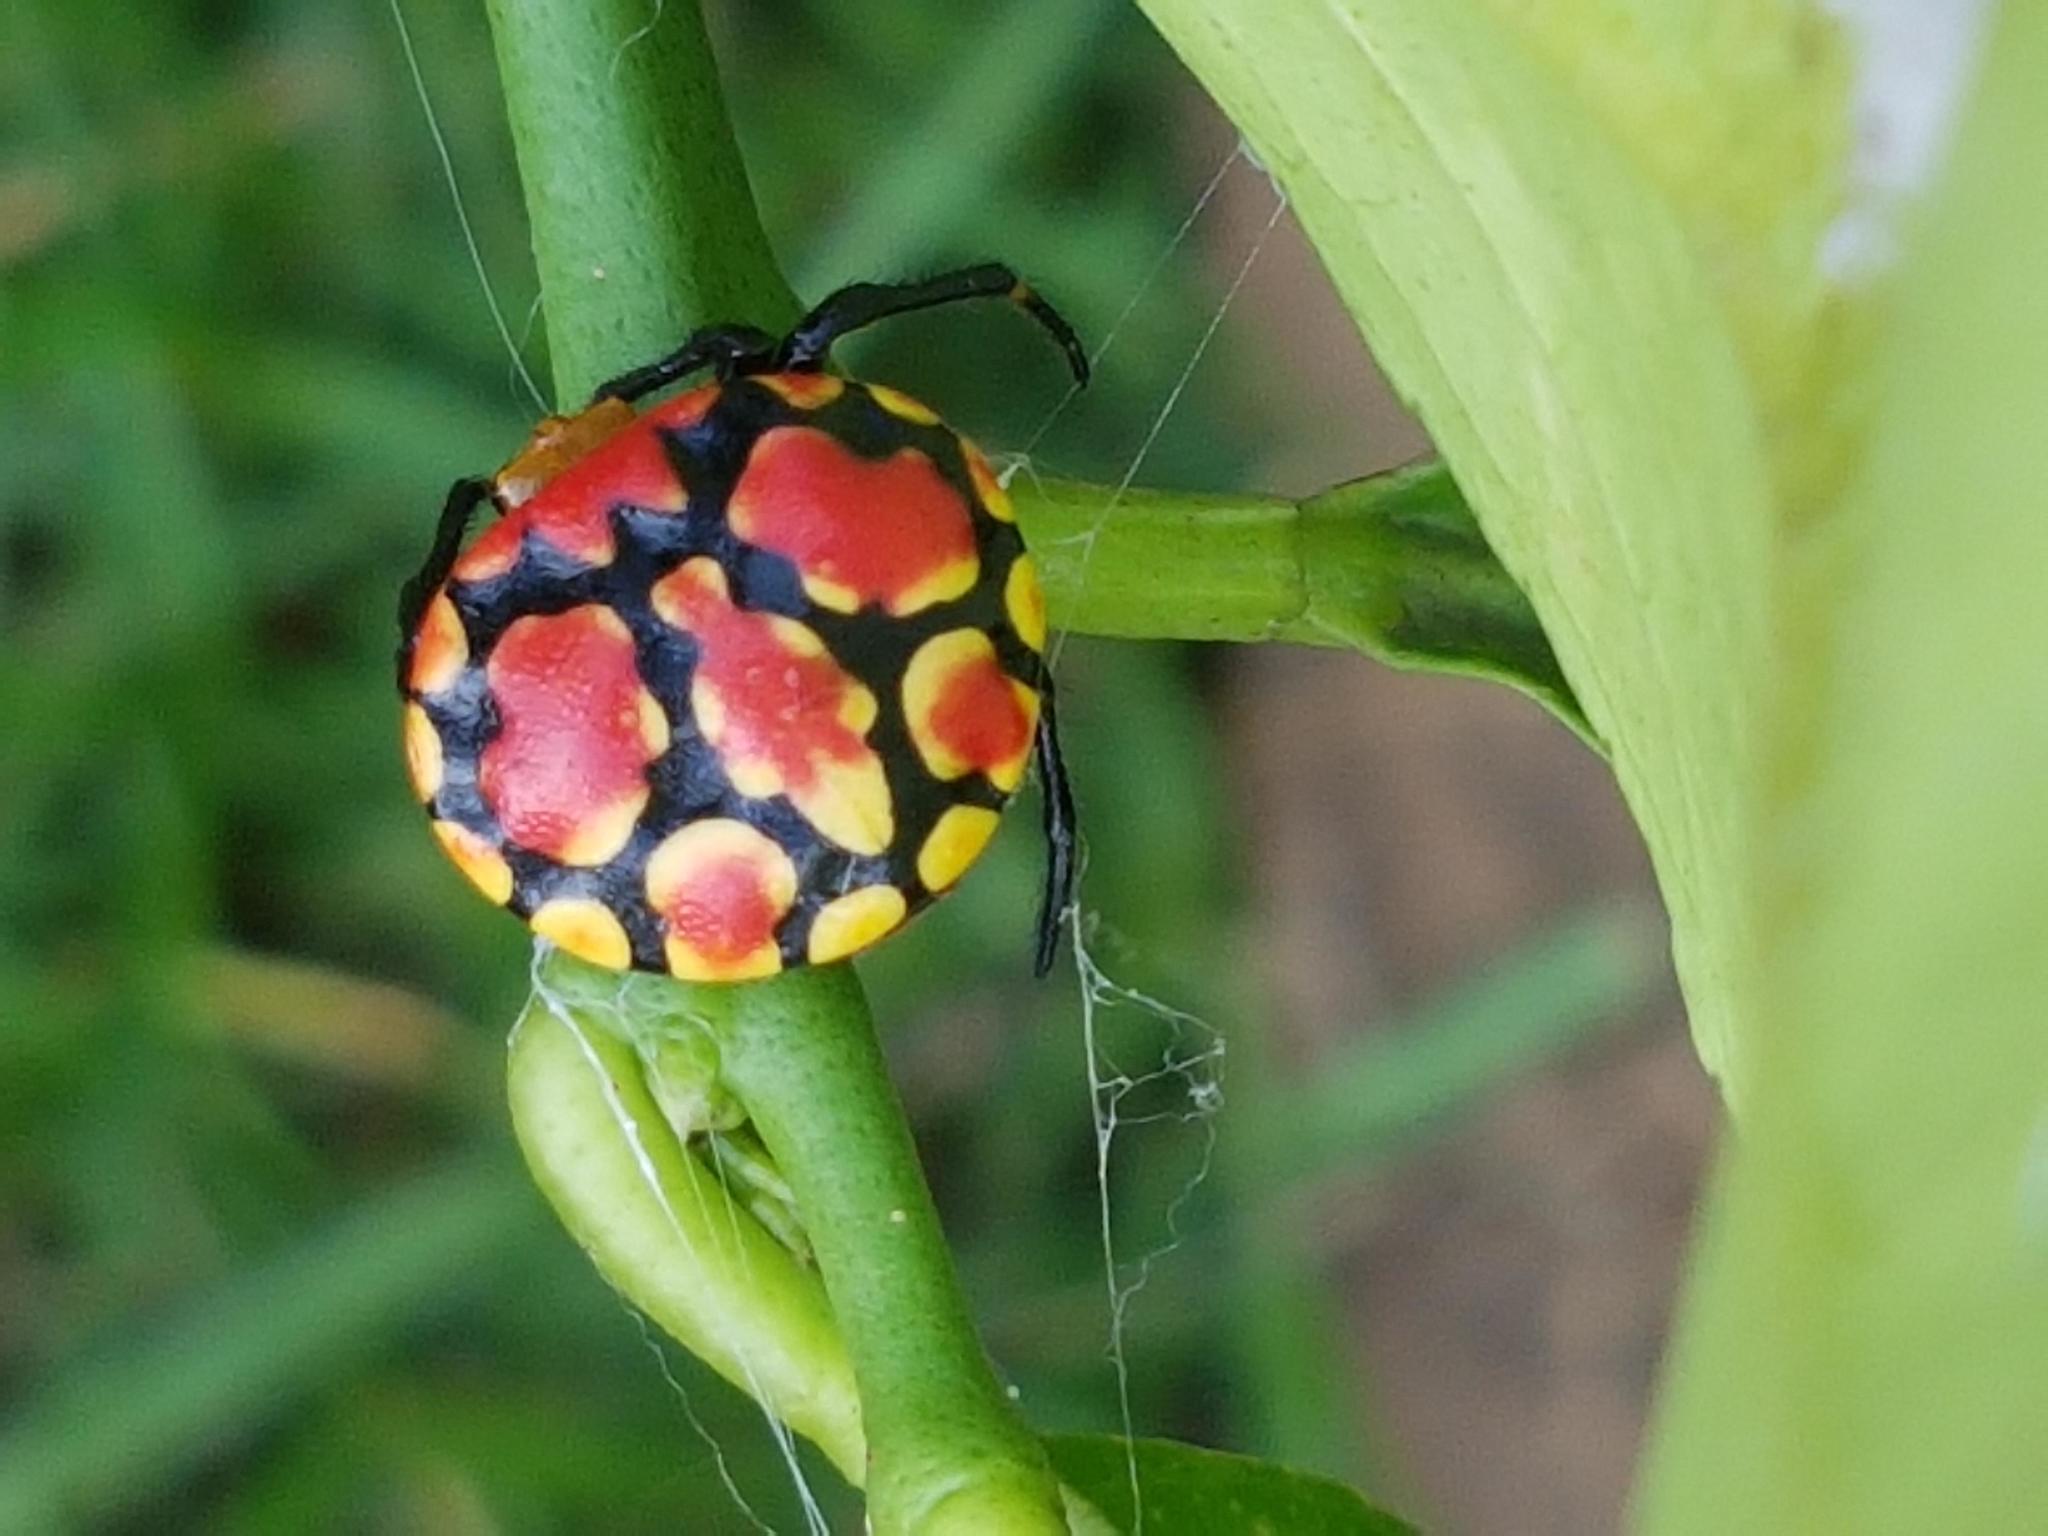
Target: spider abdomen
[(734, 685)]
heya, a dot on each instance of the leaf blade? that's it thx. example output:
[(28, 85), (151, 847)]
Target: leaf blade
[(1189, 1488), (1866, 1342), (1551, 301)]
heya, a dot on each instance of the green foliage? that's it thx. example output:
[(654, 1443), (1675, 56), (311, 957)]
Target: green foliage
[(1189, 1489), (1586, 240), (1368, 1097), (1867, 1345), (267, 1259), (316, 1310), (1581, 240)]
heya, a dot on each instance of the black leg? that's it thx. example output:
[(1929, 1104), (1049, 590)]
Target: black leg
[(1061, 835), (724, 345), (464, 497), (862, 304)]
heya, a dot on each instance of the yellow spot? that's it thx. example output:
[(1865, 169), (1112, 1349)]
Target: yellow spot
[(827, 593), (688, 964), (653, 724), (845, 799), (805, 391), (941, 586), (857, 711), (586, 929), (898, 404), (850, 923), (601, 834), (797, 639), (1009, 773), (954, 843), (934, 662), (422, 753), (849, 803), (707, 708), (755, 777), (1024, 600), (440, 650), (476, 858), (986, 485), (672, 592)]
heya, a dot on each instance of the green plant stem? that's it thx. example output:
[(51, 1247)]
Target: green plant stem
[(643, 227), (643, 222), (948, 1453), (1393, 566)]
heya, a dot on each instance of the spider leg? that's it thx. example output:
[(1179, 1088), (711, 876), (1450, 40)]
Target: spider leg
[(725, 345), (1061, 835), (464, 497), (859, 305)]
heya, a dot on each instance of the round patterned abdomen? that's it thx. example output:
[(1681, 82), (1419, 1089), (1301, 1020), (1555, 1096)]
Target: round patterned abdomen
[(742, 688)]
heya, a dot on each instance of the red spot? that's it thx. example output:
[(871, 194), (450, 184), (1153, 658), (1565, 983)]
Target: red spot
[(783, 715), (720, 887), (566, 774), (572, 509), (685, 410), (888, 531), (725, 911), (495, 550), (979, 717)]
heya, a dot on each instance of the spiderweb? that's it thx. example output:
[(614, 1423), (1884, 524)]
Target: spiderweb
[(1149, 1063), (1175, 1079), (476, 255)]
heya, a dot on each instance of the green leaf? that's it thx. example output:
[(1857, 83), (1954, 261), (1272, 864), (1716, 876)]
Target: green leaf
[(1580, 239), (644, 224), (1866, 1347), (1188, 1489)]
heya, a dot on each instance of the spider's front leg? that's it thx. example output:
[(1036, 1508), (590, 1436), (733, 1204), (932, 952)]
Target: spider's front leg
[(464, 497)]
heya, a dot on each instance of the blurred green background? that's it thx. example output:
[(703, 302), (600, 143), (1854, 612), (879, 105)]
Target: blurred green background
[(268, 1260)]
